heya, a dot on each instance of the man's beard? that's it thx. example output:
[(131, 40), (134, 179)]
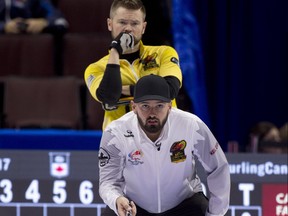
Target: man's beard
[(155, 128)]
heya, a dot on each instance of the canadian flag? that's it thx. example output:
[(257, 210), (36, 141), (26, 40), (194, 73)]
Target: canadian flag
[(59, 164)]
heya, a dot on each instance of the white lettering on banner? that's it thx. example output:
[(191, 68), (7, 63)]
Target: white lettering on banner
[(282, 201), (281, 210), (261, 170), (246, 188), (282, 198)]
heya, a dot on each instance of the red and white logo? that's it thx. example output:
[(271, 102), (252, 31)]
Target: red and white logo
[(59, 164)]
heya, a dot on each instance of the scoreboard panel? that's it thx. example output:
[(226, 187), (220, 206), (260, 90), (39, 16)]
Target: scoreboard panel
[(65, 183)]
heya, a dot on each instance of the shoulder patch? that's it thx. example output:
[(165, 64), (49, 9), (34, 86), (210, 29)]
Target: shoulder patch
[(90, 80), (103, 157), (174, 60)]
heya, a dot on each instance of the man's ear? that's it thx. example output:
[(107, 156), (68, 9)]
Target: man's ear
[(133, 106), (109, 23), (144, 27), (170, 106)]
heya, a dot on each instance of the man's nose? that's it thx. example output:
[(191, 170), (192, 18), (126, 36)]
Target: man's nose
[(152, 112), (128, 28)]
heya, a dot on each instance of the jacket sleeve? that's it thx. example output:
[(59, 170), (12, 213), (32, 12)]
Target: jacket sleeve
[(169, 64), (174, 86), (110, 88), (214, 161), (111, 163)]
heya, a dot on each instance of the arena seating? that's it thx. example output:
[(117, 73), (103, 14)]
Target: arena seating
[(80, 50), (41, 77), (42, 103), (27, 55)]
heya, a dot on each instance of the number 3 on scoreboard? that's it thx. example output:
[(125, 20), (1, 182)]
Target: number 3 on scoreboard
[(7, 194)]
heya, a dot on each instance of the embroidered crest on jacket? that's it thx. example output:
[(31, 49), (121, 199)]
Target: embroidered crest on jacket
[(177, 153), (135, 157), (150, 62)]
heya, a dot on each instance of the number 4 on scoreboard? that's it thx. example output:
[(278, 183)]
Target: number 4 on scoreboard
[(32, 192)]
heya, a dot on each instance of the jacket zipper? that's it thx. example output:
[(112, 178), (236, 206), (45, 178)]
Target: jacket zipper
[(158, 180)]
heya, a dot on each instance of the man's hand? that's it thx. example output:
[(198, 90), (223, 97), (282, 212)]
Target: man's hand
[(12, 26), (124, 207), (31, 26), (35, 26), (123, 43)]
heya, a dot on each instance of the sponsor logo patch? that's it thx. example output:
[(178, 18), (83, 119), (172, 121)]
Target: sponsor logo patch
[(135, 157), (129, 134), (214, 149), (150, 62), (177, 153)]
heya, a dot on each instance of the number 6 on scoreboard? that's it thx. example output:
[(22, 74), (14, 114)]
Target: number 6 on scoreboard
[(85, 192)]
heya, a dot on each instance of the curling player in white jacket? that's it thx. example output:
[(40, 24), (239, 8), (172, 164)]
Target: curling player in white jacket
[(147, 159)]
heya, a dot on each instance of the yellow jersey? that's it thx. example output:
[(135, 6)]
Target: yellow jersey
[(159, 60)]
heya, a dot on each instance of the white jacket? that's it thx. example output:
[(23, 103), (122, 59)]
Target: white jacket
[(159, 175)]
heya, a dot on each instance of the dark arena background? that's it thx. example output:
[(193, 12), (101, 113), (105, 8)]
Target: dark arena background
[(233, 55)]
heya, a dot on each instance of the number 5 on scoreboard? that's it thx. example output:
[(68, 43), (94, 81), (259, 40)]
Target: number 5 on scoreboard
[(59, 192)]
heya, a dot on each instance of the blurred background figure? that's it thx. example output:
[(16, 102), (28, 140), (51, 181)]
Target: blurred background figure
[(265, 138), (284, 136), (30, 16)]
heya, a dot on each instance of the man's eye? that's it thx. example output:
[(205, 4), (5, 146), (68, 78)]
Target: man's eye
[(160, 106)]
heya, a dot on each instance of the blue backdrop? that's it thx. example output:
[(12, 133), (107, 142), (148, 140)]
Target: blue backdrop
[(234, 60)]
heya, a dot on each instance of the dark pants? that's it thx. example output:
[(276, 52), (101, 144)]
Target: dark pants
[(196, 206)]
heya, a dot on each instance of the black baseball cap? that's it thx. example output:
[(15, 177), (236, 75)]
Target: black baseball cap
[(151, 87)]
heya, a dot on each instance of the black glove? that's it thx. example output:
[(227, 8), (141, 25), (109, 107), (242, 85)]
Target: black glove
[(123, 42)]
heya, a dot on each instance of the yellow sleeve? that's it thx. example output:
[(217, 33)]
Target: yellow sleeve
[(93, 76), (169, 63)]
